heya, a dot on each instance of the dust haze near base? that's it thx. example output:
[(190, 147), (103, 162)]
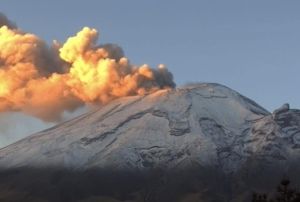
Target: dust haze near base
[(16, 125)]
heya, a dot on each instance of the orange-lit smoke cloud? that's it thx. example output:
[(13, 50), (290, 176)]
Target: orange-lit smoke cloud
[(45, 81)]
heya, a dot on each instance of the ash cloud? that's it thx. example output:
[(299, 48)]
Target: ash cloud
[(44, 81), (5, 21)]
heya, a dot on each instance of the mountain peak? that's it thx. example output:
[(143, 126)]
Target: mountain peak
[(201, 129), (123, 127)]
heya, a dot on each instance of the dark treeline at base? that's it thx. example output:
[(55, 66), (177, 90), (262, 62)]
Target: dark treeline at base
[(105, 185), (284, 194), (153, 185)]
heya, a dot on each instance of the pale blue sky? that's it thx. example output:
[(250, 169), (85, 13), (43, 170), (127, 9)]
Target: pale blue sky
[(250, 46)]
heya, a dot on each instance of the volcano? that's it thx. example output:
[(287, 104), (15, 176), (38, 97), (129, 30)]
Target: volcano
[(200, 142)]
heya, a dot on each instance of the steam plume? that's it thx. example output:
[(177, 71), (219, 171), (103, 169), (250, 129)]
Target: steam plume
[(45, 81)]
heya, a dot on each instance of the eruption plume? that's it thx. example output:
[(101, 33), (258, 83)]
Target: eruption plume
[(45, 81)]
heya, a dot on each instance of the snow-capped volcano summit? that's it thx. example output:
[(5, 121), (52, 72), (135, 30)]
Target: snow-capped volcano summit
[(206, 129), (197, 123)]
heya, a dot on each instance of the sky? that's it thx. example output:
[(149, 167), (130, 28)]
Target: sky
[(250, 46)]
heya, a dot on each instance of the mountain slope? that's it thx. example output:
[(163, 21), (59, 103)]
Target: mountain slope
[(207, 135)]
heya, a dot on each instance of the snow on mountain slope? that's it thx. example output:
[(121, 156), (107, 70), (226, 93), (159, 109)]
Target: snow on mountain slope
[(205, 124), (201, 142)]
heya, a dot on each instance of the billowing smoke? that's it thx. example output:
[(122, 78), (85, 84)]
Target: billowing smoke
[(45, 81), (5, 21)]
